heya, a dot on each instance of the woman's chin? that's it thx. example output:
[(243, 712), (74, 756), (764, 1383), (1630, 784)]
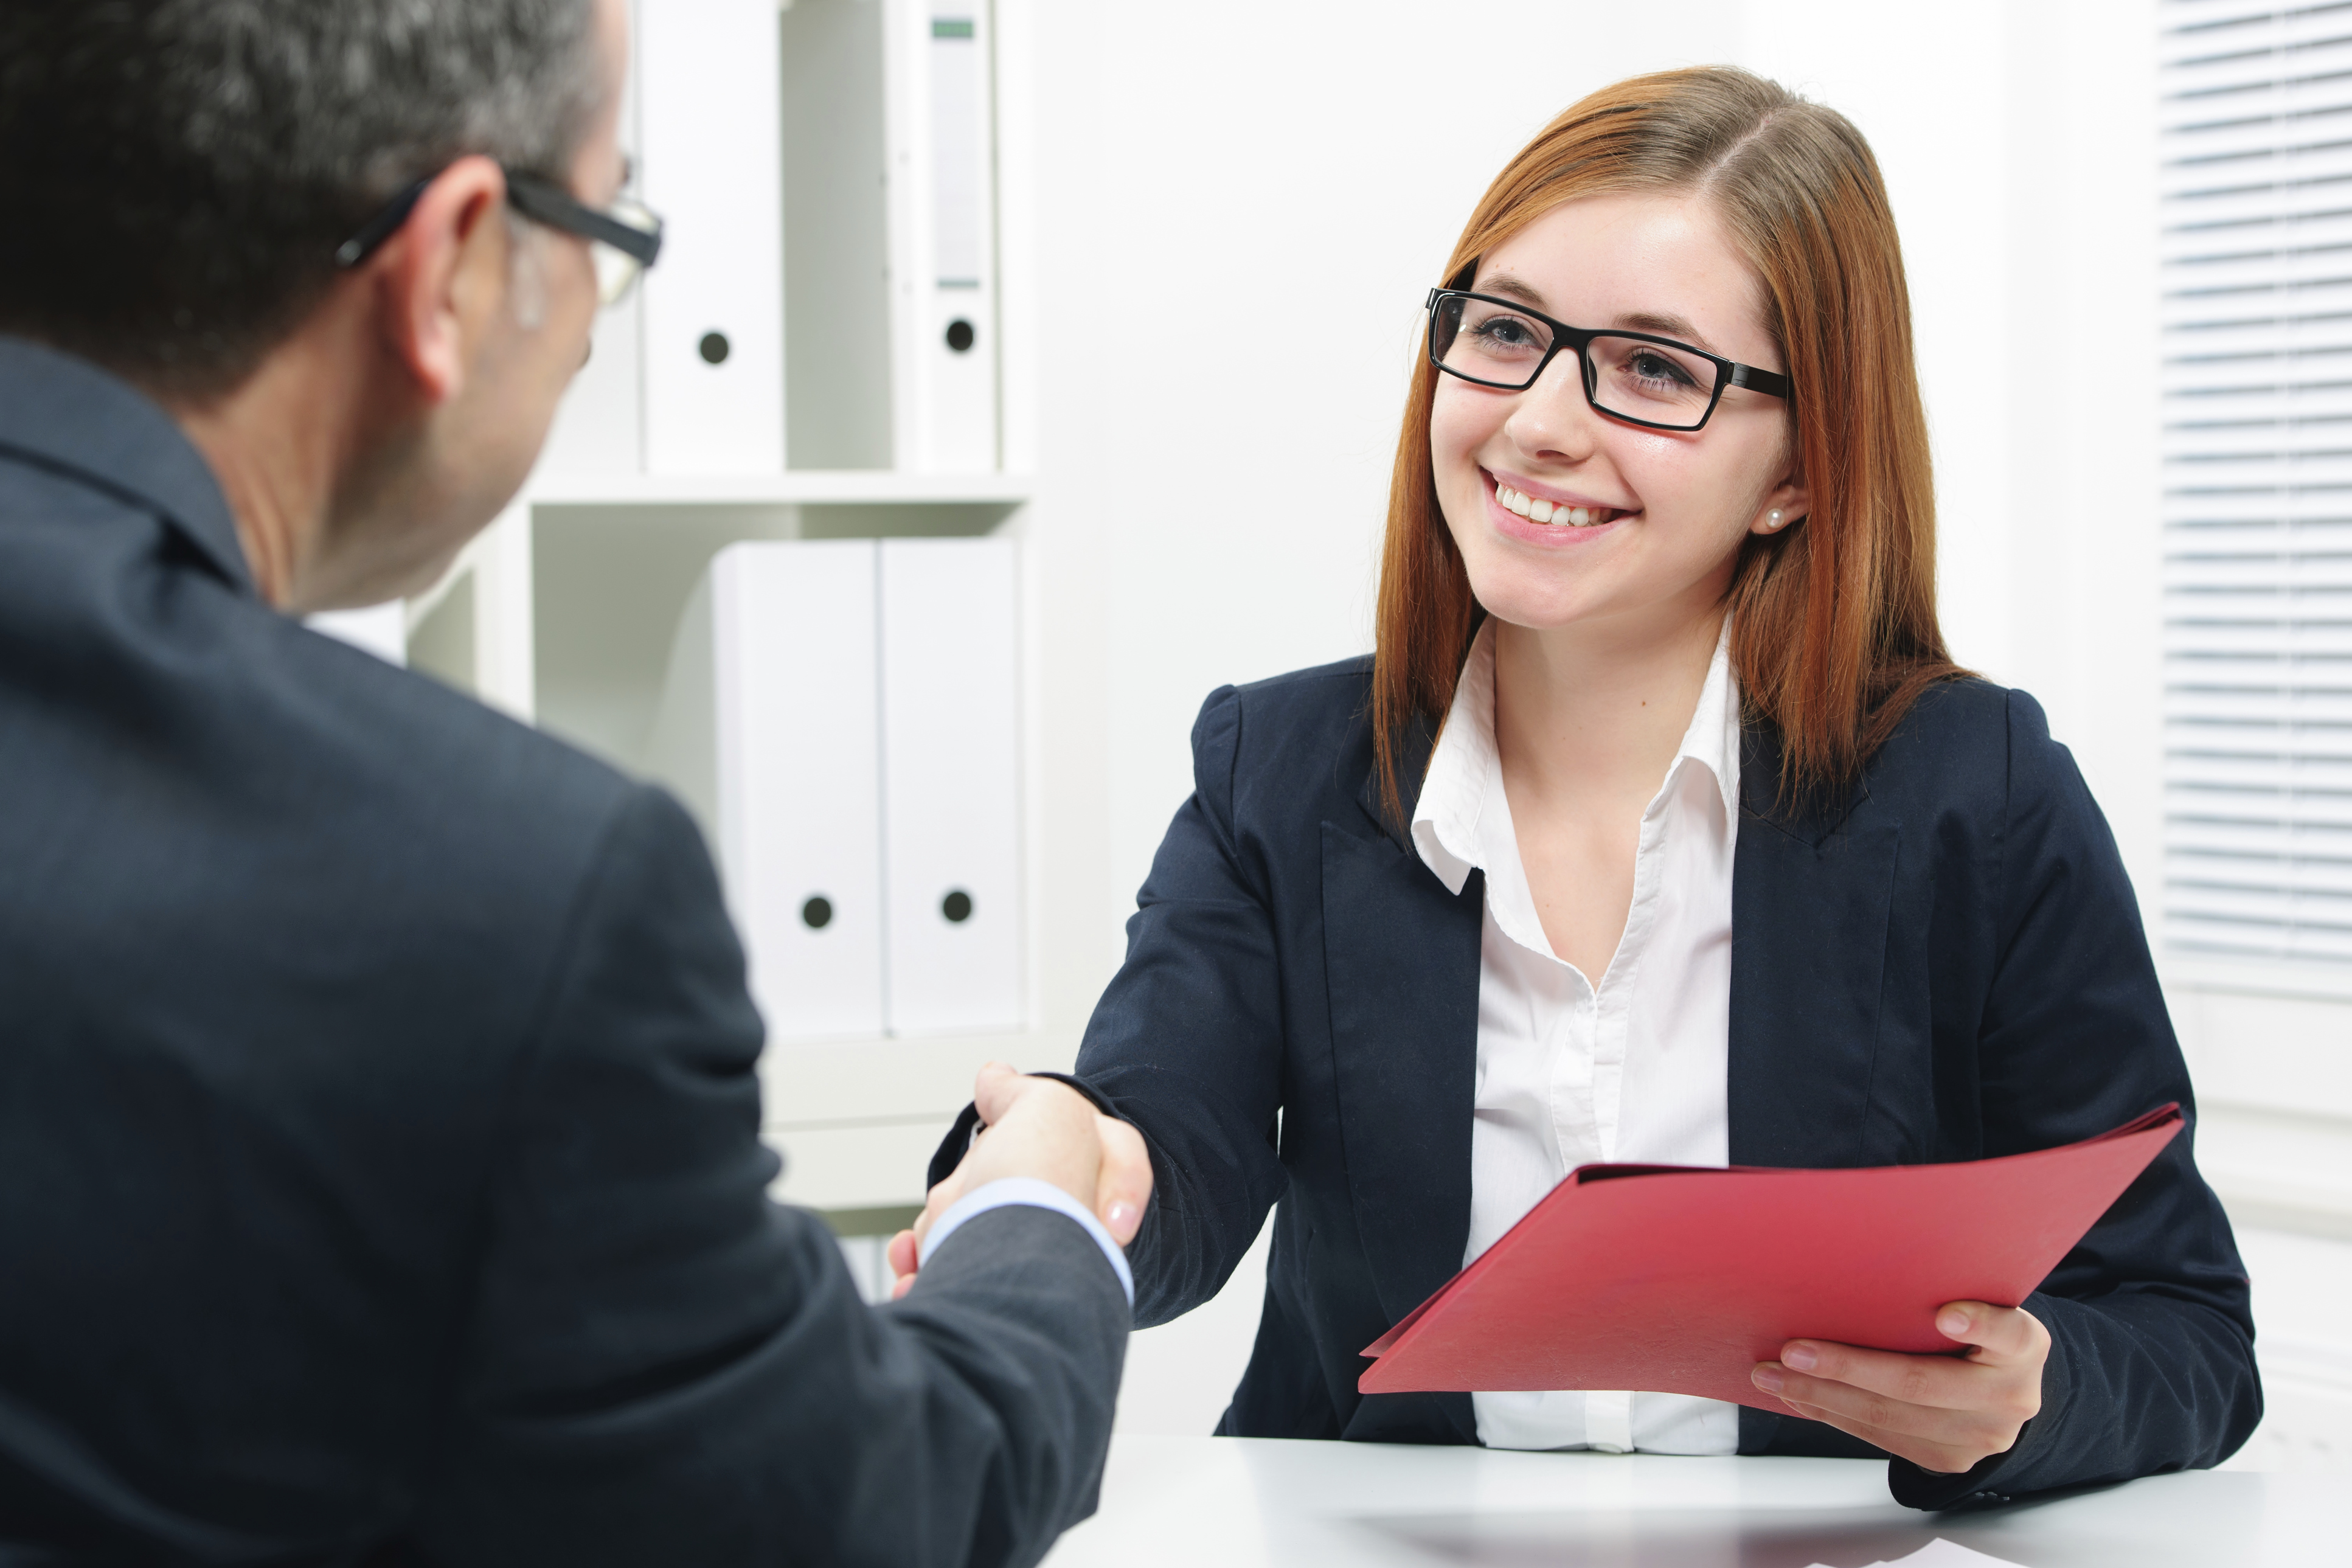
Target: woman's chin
[(1536, 606)]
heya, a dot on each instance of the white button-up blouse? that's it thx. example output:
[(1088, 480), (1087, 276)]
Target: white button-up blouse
[(1570, 1073)]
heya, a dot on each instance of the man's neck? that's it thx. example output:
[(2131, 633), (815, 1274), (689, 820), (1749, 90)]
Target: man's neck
[(275, 444)]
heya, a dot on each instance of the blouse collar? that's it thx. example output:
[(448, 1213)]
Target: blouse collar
[(1466, 769)]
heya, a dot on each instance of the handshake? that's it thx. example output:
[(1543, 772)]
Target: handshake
[(1035, 1126)]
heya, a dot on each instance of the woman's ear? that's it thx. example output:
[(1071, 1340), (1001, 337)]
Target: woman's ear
[(1783, 507)]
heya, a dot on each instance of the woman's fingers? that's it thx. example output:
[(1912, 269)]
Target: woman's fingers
[(1942, 1381), (902, 1254), (1941, 1412), (1122, 1165), (2002, 1376), (1944, 1458), (995, 1089), (2003, 1336), (1124, 1185), (906, 1250), (936, 1203), (1123, 1182), (1984, 1423)]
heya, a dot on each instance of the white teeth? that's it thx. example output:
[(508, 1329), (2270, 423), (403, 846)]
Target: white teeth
[(1537, 509)]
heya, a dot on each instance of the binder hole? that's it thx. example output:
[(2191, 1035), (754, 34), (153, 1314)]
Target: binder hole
[(960, 335), (956, 906), (817, 913), (713, 348)]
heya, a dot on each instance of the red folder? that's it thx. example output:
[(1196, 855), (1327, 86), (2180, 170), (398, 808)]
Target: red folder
[(1680, 1278)]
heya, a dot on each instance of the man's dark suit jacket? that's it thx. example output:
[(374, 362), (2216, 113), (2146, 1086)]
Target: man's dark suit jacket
[(1947, 966), (380, 1177)]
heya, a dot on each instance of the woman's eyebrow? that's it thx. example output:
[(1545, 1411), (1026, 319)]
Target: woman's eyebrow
[(1511, 285), (1665, 326)]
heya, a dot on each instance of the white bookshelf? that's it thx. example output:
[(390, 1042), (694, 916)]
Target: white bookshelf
[(562, 613)]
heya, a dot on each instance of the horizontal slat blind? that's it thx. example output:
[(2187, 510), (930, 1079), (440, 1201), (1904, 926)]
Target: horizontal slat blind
[(2256, 106)]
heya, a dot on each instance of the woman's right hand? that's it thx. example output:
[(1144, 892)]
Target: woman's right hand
[(1036, 1127)]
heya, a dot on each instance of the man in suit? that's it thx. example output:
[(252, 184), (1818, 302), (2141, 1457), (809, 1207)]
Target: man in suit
[(377, 1104)]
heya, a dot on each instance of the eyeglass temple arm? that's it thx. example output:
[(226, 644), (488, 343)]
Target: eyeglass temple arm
[(536, 198), (381, 227)]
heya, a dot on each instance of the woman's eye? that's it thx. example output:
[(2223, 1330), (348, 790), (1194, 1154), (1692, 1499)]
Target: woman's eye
[(1506, 333), (1658, 367)]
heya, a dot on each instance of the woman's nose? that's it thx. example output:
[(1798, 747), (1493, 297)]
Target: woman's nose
[(1553, 418)]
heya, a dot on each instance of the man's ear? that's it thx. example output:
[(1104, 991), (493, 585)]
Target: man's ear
[(443, 275)]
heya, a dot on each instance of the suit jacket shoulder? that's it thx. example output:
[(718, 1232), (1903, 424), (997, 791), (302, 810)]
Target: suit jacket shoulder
[(1302, 720), (1957, 742)]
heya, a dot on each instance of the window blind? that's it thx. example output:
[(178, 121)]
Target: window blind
[(2255, 139)]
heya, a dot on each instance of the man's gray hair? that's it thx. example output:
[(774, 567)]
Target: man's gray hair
[(179, 173)]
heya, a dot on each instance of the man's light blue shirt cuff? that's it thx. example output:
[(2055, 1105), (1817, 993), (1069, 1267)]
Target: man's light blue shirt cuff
[(1035, 1193)]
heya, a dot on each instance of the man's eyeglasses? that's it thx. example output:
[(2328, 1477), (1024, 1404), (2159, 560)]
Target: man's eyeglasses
[(1638, 377), (626, 237)]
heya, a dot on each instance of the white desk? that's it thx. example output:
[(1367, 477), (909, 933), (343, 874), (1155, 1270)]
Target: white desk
[(1233, 1502)]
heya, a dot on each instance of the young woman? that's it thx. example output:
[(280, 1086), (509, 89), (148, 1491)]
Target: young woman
[(1660, 827)]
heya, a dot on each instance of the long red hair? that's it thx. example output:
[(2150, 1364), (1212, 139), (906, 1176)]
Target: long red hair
[(1833, 618)]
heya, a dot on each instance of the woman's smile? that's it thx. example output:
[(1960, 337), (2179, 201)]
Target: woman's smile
[(1544, 516)]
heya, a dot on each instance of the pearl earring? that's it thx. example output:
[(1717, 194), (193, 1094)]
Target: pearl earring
[(1772, 520)]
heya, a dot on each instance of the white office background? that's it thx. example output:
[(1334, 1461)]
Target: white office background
[(1167, 175)]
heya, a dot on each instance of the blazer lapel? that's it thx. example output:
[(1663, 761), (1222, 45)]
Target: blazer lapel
[(1402, 958), (1811, 888)]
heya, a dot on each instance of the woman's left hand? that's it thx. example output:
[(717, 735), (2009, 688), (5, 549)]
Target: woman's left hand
[(1942, 1413)]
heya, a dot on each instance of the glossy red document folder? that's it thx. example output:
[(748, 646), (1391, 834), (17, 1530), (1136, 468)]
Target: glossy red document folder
[(1679, 1278)]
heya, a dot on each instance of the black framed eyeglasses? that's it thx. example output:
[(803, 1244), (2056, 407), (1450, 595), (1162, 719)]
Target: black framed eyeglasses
[(1638, 377), (626, 237)]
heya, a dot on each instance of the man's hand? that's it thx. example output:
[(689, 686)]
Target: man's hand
[(1035, 1126), (1942, 1413)]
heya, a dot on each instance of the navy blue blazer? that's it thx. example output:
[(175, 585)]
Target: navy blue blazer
[(1947, 966), (380, 1169)]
